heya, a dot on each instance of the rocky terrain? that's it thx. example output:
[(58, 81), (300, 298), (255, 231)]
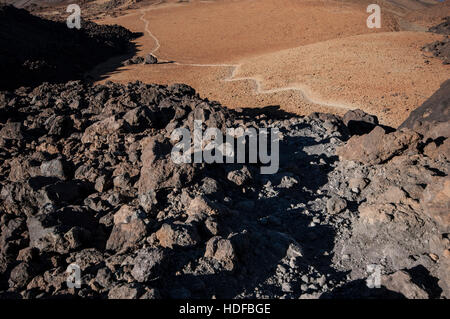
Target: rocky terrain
[(90, 8), (34, 50), (441, 49), (87, 178)]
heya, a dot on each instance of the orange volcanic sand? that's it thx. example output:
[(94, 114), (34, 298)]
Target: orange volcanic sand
[(303, 55)]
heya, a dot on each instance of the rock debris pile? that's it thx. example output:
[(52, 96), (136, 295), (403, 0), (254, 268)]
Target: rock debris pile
[(86, 178)]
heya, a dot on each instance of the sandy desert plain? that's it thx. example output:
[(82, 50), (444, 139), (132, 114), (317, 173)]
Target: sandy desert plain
[(301, 55)]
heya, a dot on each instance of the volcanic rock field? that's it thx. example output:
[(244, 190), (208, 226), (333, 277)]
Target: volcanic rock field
[(87, 178)]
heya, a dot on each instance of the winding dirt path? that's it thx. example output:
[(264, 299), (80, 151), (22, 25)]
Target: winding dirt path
[(234, 69), (293, 58)]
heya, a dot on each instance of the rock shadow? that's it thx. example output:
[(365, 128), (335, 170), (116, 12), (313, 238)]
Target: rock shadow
[(270, 235)]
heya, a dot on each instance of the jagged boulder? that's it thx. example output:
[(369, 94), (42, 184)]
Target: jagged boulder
[(159, 170), (129, 228), (434, 110), (359, 122), (378, 146)]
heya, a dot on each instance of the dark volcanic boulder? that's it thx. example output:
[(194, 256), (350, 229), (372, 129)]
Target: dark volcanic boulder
[(440, 49), (129, 228), (434, 110), (435, 202), (150, 59), (147, 263), (359, 122), (442, 28), (378, 146), (61, 230), (159, 170)]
